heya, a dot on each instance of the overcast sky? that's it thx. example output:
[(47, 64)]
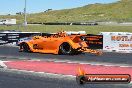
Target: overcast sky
[(13, 6)]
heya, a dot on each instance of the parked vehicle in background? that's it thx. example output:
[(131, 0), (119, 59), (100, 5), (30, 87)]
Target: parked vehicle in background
[(7, 21)]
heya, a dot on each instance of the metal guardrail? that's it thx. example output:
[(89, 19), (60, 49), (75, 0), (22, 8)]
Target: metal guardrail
[(65, 23)]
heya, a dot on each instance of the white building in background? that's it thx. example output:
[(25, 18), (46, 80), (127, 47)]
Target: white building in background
[(7, 21)]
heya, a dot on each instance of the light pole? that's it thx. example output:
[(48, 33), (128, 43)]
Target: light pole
[(25, 14)]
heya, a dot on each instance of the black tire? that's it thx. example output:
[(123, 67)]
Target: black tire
[(65, 49), (25, 47)]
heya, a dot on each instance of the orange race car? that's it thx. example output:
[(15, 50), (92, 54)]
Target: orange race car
[(57, 43)]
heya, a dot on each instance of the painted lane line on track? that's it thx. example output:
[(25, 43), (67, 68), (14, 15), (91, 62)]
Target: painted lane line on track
[(53, 74), (66, 68), (76, 62), (38, 74), (91, 63), (2, 64), (80, 62)]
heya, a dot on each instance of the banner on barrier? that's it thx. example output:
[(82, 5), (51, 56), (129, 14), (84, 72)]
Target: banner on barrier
[(6, 38), (117, 43), (94, 41)]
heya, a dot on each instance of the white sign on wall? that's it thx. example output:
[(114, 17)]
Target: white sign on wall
[(117, 43)]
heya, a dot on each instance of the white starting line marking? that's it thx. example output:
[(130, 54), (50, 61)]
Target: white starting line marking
[(2, 64)]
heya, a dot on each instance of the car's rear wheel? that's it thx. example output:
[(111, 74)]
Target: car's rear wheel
[(65, 49), (24, 47)]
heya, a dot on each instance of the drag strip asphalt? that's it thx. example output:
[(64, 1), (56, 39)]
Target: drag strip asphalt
[(20, 79), (116, 58)]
